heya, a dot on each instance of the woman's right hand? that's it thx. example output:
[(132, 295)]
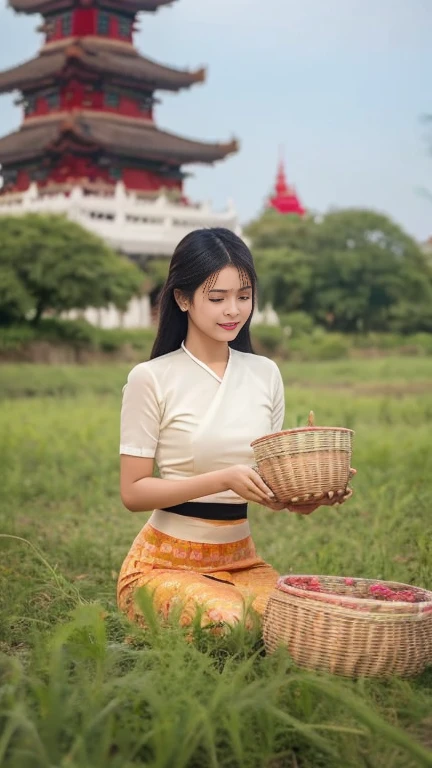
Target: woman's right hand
[(247, 483)]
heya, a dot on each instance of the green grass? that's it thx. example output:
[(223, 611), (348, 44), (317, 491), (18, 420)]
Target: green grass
[(385, 375), (82, 688)]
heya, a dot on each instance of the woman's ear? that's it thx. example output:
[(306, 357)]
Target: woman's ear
[(180, 299)]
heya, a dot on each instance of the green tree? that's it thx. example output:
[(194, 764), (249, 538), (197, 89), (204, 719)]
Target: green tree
[(367, 266), (15, 301), (157, 272), (285, 278), (273, 230), (284, 248), (50, 263), (351, 270)]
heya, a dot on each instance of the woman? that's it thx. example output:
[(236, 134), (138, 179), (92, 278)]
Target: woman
[(194, 409)]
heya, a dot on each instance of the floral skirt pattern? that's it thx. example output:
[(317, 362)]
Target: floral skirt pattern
[(220, 580)]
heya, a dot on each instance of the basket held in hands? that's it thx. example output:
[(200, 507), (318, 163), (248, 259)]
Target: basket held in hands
[(304, 462)]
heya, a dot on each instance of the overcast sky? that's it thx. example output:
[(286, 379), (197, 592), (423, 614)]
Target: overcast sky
[(340, 84)]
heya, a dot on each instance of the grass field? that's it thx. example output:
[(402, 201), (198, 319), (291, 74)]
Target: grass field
[(84, 689)]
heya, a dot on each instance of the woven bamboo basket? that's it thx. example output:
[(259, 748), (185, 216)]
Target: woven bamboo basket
[(298, 464), (343, 630)]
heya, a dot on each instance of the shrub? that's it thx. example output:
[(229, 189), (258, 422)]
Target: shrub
[(423, 342), (334, 347), (319, 346), (15, 337), (113, 339), (268, 339), (415, 344), (77, 333), (376, 341), (298, 323)]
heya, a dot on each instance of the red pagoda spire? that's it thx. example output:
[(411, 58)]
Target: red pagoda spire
[(285, 199), (88, 100)]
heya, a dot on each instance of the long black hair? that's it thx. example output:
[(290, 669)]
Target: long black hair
[(197, 257)]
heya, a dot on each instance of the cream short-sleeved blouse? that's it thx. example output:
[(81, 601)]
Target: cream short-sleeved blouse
[(177, 410)]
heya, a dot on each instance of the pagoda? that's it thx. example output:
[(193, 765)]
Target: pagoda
[(285, 198), (88, 100), (89, 146)]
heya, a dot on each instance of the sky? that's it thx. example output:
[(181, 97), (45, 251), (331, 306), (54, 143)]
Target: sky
[(339, 86)]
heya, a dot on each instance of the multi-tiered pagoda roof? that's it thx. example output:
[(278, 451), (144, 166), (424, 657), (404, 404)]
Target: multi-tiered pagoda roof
[(90, 58), (86, 132), (88, 99)]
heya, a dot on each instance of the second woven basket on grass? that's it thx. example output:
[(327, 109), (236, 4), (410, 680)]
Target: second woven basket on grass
[(342, 629)]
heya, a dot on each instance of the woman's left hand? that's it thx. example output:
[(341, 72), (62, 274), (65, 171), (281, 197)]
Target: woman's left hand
[(307, 507)]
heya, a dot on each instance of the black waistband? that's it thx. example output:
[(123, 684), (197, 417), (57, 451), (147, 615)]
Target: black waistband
[(210, 511)]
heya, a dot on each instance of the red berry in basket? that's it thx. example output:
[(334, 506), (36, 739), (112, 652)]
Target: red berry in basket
[(376, 591), (309, 583), (381, 592)]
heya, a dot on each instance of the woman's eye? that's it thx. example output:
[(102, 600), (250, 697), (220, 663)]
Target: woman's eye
[(243, 298)]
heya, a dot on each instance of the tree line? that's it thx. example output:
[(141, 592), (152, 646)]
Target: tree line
[(352, 271)]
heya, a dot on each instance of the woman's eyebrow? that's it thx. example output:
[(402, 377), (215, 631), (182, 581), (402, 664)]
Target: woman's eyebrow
[(224, 290)]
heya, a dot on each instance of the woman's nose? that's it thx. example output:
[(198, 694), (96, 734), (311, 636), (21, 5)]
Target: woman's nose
[(232, 308)]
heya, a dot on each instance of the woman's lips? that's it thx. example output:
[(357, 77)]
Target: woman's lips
[(228, 326)]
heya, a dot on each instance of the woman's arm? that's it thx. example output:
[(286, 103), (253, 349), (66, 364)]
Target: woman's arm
[(140, 492)]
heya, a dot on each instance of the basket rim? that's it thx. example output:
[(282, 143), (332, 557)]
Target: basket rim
[(296, 430), (347, 600)]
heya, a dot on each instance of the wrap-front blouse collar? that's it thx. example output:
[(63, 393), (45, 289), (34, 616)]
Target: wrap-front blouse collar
[(206, 367)]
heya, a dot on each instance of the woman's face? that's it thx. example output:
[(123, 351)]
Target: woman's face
[(222, 305)]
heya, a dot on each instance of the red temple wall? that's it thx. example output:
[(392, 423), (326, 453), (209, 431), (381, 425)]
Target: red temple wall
[(75, 96), (72, 167), (135, 178), (22, 182), (84, 22)]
